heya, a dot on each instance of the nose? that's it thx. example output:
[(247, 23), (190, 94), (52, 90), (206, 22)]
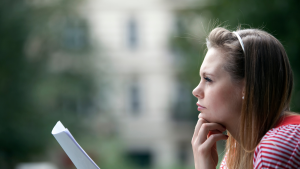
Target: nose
[(198, 92)]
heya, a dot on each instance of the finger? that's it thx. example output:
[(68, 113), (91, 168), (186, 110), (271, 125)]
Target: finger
[(197, 127), (214, 147), (205, 128), (210, 142), (213, 132)]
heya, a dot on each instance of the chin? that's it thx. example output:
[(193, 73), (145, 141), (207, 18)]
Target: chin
[(204, 117), (210, 119)]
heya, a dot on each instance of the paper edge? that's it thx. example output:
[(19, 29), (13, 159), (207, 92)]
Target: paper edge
[(59, 127), (80, 148)]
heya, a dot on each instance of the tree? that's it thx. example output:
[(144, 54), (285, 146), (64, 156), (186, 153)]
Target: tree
[(45, 75)]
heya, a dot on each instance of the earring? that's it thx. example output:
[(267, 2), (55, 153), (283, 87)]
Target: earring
[(243, 97)]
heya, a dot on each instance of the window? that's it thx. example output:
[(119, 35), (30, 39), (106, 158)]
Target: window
[(135, 98), (182, 104), (179, 26), (75, 35), (132, 33), (140, 159)]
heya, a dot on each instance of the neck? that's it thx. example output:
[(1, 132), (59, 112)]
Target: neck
[(234, 132), (233, 128)]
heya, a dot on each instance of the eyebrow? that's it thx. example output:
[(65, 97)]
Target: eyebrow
[(205, 73)]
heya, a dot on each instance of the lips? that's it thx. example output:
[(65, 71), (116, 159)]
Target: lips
[(200, 107)]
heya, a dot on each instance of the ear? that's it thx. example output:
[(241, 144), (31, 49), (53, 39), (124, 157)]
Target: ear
[(243, 87)]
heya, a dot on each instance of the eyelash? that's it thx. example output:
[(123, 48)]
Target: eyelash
[(208, 79)]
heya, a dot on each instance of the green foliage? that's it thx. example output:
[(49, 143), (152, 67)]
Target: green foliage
[(45, 75)]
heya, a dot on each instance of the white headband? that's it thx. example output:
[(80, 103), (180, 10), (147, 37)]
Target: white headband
[(240, 40)]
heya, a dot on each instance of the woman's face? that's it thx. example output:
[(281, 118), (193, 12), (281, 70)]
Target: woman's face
[(219, 98)]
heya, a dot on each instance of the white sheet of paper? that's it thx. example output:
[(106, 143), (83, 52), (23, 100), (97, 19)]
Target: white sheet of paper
[(78, 156)]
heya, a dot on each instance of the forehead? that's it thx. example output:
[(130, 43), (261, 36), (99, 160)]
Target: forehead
[(213, 62)]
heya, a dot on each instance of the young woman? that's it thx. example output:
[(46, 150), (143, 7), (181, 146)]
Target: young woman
[(245, 88)]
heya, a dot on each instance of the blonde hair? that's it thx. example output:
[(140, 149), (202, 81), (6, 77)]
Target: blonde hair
[(265, 68)]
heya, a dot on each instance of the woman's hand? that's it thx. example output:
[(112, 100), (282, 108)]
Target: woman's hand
[(204, 143)]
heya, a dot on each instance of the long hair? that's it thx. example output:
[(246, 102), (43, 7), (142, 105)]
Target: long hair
[(265, 69)]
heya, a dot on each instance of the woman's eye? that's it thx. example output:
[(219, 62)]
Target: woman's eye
[(208, 79)]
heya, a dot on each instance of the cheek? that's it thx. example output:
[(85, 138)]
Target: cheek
[(219, 96), (223, 103)]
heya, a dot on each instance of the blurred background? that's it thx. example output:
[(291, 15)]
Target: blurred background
[(118, 74)]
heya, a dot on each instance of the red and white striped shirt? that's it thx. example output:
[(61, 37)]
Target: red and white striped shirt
[(280, 146)]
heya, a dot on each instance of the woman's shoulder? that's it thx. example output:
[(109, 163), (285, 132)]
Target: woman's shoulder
[(289, 118), (286, 134), (288, 129), (280, 147)]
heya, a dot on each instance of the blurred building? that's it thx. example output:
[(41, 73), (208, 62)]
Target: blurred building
[(144, 93), (37, 165)]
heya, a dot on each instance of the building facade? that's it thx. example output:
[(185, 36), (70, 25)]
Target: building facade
[(133, 38)]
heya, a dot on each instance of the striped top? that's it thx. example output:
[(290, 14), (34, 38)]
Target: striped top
[(280, 146)]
